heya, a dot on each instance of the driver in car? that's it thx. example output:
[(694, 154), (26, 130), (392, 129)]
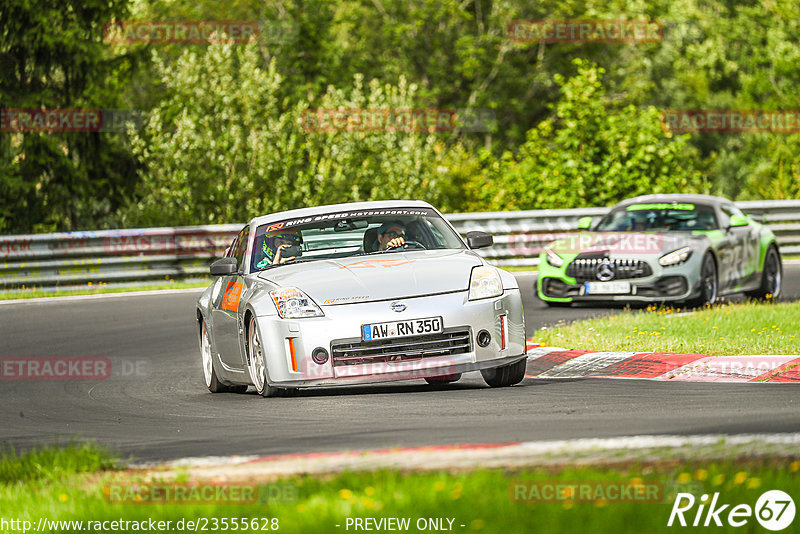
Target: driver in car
[(275, 243), (391, 234)]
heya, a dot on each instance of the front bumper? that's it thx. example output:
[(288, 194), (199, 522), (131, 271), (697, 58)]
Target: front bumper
[(342, 325), (664, 284)]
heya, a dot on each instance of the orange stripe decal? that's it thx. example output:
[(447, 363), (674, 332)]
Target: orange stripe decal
[(292, 354), (502, 332)]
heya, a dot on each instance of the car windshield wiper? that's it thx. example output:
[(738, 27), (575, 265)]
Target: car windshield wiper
[(301, 260), (290, 262), (394, 249)]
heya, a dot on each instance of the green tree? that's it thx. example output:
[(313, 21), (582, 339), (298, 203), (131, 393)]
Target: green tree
[(592, 153), (718, 54), (223, 147), (51, 56)]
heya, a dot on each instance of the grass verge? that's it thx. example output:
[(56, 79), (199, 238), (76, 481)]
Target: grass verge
[(727, 329), (53, 463), (50, 485), (101, 289)]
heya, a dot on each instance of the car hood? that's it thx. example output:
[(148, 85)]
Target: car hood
[(378, 276), (625, 243)]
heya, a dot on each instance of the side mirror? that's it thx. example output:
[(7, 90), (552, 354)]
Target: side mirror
[(479, 239), (584, 223), (224, 267), (739, 220)]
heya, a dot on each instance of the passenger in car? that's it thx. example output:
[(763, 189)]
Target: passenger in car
[(275, 244)]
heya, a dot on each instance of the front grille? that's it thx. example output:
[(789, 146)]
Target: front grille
[(584, 268), (400, 349)]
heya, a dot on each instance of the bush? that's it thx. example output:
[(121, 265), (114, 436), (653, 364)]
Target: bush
[(592, 153)]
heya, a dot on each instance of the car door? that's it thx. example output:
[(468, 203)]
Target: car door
[(225, 313), (742, 249)]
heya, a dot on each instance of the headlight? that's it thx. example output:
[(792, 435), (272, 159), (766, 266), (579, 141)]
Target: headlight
[(294, 304), (552, 258), (675, 257), (484, 283)]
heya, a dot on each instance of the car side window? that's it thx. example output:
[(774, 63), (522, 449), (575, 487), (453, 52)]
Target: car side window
[(241, 247), (706, 218), (732, 210), (728, 211), (231, 247)]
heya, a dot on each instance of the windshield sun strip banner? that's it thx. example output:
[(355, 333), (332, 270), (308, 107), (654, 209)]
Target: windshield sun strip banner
[(662, 206), (343, 215)]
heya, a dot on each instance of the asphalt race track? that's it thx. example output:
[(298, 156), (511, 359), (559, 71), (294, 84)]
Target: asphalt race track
[(160, 409)]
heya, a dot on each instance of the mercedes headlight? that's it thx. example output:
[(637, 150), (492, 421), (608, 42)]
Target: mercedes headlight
[(552, 258), (294, 304), (484, 283), (675, 257)]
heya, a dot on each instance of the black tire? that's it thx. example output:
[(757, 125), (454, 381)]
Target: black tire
[(709, 283), (257, 367), (445, 379), (213, 383), (771, 277), (505, 375)]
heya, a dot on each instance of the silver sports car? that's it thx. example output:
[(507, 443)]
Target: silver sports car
[(657, 248), (357, 293)]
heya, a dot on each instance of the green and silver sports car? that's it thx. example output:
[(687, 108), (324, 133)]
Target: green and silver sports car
[(678, 248)]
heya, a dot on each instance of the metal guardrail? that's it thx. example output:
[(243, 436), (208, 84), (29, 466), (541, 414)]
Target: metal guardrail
[(146, 256), (110, 257), (519, 236)]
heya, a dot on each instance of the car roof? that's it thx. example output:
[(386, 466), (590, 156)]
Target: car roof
[(675, 197), (333, 208)]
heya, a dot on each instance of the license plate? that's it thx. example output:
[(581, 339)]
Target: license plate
[(606, 288), (411, 327)]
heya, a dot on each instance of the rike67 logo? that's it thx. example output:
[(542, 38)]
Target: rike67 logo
[(774, 510)]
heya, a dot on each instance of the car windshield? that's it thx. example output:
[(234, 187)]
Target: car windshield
[(351, 233), (659, 218)]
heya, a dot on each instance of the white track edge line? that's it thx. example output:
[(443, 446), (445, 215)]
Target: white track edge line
[(69, 298)]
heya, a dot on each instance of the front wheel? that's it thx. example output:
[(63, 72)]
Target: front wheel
[(708, 283), (256, 364), (212, 382), (505, 375), (771, 277)]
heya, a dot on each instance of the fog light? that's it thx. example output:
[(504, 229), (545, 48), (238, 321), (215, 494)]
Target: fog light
[(484, 338), (319, 355)]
